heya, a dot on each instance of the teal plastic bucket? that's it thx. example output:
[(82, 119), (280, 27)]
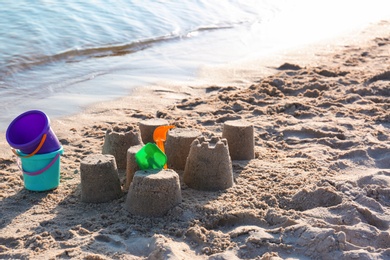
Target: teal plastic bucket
[(41, 172)]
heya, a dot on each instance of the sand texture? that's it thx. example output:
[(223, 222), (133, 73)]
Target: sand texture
[(318, 187)]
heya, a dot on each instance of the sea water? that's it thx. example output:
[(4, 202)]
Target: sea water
[(60, 56)]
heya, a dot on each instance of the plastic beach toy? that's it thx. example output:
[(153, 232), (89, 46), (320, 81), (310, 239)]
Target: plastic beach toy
[(150, 157), (160, 135), (41, 172), (31, 134)]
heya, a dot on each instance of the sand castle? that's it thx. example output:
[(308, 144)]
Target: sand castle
[(147, 128), (118, 140), (177, 146), (205, 161), (239, 134), (131, 165), (99, 179), (153, 192), (208, 165)]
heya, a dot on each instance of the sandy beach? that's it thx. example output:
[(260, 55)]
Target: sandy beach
[(318, 188)]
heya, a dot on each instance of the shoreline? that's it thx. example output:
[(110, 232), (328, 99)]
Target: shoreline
[(76, 100), (318, 187)]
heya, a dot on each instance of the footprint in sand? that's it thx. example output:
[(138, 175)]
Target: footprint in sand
[(381, 76), (308, 132), (319, 197), (109, 242), (381, 156), (381, 179), (242, 218), (377, 186)]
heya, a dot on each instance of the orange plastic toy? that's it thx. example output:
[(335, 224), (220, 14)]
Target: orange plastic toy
[(160, 136)]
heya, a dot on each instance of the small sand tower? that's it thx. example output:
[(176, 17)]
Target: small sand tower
[(239, 134), (99, 179), (208, 165), (147, 128), (177, 146), (153, 193), (131, 166), (118, 140)]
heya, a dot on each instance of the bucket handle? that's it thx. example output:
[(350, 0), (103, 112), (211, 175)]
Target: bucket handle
[(41, 170), (35, 151)]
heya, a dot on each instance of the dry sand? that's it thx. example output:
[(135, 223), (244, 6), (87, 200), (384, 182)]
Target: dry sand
[(319, 187)]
